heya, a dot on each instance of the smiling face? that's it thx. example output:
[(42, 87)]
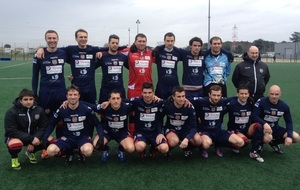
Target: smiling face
[(141, 43), (73, 97), (51, 40), (179, 98), (81, 38)]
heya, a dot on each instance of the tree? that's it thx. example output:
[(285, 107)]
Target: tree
[(295, 37), (7, 46)]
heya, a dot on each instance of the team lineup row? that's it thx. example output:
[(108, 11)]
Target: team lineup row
[(204, 75)]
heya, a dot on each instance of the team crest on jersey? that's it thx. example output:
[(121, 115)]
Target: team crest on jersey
[(243, 114), (147, 110), (261, 70), (82, 56), (115, 63), (54, 61), (116, 119), (36, 116), (273, 112), (142, 70), (74, 119), (177, 117), (213, 108), (216, 64), (169, 57)]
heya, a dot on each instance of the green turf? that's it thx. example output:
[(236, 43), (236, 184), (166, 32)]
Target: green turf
[(233, 171)]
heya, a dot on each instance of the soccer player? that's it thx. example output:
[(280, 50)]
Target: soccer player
[(52, 87), (239, 109), (148, 123), (25, 124), (112, 64), (267, 112), (218, 68), (140, 62), (180, 126), (210, 112), (167, 60), (193, 68), (115, 126), (76, 119)]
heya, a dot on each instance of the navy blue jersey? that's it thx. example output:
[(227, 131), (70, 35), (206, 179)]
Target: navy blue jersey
[(147, 116), (112, 70), (239, 115), (116, 120), (266, 112), (83, 65), (182, 120), (209, 116), (167, 67), (193, 68), (51, 69), (76, 122)]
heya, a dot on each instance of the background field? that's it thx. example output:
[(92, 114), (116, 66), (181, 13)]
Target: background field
[(233, 171)]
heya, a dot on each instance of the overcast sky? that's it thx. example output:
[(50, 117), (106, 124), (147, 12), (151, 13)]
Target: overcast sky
[(24, 22)]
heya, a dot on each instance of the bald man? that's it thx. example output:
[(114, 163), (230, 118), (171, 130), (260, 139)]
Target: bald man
[(267, 111), (252, 72)]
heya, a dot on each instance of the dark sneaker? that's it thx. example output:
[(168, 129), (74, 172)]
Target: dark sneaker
[(204, 153), (152, 151), (187, 153), (219, 152), (256, 156), (276, 148), (121, 156), (105, 155), (236, 150)]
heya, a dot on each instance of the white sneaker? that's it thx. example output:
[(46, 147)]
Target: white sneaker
[(256, 156)]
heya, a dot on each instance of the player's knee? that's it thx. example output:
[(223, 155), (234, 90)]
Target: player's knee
[(87, 150), (129, 148), (163, 148), (140, 146), (173, 142), (17, 145), (52, 150)]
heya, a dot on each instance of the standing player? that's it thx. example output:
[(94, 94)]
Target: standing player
[(167, 60), (210, 112), (267, 112), (112, 64), (115, 126), (218, 68), (52, 87), (140, 62), (76, 120), (180, 126), (193, 68), (239, 109), (148, 123), (25, 124)]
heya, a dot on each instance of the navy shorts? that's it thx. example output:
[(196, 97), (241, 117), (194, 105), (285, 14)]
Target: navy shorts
[(217, 136), (164, 91), (117, 136), (52, 99), (64, 143), (181, 135), (278, 132), (149, 138)]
